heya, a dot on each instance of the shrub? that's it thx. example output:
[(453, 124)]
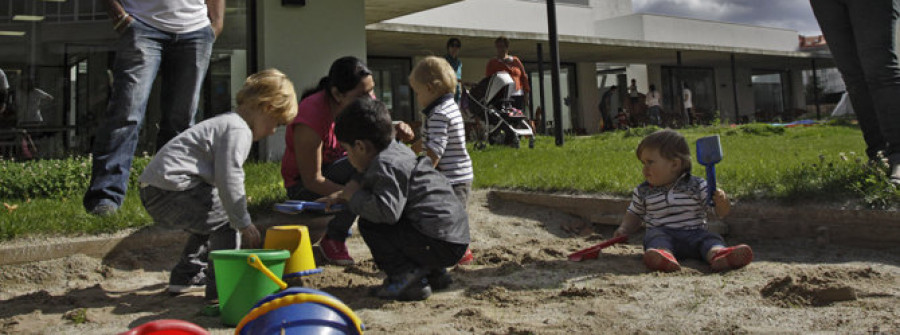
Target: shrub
[(53, 178)]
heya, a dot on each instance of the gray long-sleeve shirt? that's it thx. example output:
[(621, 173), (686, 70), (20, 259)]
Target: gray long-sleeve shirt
[(399, 187), (212, 152)]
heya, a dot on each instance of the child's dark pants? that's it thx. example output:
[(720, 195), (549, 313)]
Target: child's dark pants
[(199, 212), (400, 248)]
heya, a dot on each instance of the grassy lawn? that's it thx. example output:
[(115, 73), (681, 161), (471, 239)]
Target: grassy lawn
[(795, 165)]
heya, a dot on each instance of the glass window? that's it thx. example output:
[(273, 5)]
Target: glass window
[(60, 87)]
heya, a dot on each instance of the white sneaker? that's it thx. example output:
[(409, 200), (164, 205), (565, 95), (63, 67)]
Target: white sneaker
[(181, 289)]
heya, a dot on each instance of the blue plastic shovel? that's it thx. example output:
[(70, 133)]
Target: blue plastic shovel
[(296, 206), (709, 152)]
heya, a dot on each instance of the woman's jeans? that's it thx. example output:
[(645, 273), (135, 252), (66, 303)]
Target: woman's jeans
[(142, 51), (339, 172), (860, 35)]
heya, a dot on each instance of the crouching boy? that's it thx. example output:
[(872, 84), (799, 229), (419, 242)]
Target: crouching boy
[(409, 217)]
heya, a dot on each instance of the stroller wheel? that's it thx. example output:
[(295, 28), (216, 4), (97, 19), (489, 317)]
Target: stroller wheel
[(531, 143), (514, 140), (480, 145)]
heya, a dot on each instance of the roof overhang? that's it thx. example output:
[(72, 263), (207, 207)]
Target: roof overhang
[(403, 40), (381, 10)]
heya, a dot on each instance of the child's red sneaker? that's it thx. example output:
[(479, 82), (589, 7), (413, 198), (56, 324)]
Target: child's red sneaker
[(731, 258), (335, 251), (661, 260), (467, 258)]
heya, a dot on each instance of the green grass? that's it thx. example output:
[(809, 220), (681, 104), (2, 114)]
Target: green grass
[(791, 166)]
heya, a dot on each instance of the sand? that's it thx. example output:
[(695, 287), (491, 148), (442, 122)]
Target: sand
[(521, 283)]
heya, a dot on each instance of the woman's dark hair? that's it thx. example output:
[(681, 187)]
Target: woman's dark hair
[(502, 39), (345, 74), (652, 87), (453, 41), (365, 119)]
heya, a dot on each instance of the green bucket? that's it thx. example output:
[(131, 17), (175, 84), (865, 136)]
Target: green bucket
[(240, 286)]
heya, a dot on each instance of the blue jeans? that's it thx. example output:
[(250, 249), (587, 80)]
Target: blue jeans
[(860, 35), (198, 211), (692, 243), (339, 172), (141, 52), (654, 113)]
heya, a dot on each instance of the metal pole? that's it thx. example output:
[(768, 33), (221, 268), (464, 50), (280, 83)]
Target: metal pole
[(734, 89), (815, 85), (540, 50), (554, 71)]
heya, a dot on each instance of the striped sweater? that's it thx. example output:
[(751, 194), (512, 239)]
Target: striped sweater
[(445, 135), (679, 206)]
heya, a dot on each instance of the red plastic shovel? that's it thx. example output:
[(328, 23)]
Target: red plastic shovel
[(594, 251)]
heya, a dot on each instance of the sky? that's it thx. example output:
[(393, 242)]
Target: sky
[(791, 14)]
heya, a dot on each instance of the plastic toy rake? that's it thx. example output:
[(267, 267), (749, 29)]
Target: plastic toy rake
[(709, 152)]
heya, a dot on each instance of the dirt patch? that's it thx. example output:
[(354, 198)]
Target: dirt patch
[(520, 283)]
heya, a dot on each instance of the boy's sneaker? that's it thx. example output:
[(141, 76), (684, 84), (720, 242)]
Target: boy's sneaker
[(185, 288), (467, 258), (408, 286), (661, 260), (730, 258), (181, 286), (335, 251), (439, 279)]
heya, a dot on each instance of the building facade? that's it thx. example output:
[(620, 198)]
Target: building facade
[(65, 49)]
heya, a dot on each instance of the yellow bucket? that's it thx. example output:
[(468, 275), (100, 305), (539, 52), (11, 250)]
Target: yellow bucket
[(294, 239)]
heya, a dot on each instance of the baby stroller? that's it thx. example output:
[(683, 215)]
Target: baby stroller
[(489, 102)]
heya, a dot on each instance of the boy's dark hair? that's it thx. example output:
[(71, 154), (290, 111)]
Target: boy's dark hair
[(345, 74), (670, 144), (365, 119)]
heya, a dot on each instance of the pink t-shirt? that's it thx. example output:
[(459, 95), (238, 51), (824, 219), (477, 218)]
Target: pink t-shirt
[(315, 113)]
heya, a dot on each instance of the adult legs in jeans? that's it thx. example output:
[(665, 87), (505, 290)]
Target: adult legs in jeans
[(860, 35), (199, 212), (141, 51), (339, 172), (654, 115)]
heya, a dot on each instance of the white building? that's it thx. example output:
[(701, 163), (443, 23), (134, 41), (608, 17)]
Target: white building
[(601, 43)]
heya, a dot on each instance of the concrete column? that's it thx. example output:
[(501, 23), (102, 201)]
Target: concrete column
[(303, 41)]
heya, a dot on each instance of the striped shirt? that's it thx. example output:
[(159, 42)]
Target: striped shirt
[(679, 206), (445, 136)]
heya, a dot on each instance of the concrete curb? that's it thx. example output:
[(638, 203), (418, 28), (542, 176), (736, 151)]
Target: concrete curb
[(94, 246), (869, 228)]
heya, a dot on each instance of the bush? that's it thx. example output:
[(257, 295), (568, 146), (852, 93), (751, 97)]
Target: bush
[(53, 178)]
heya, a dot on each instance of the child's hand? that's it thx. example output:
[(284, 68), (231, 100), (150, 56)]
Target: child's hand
[(723, 207), (620, 232), (349, 190), (333, 199), (404, 132), (720, 197), (250, 238)]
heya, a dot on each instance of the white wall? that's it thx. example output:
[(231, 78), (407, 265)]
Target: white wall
[(604, 9), (623, 27), (504, 15), (303, 41), (589, 96), (639, 72), (679, 30)]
